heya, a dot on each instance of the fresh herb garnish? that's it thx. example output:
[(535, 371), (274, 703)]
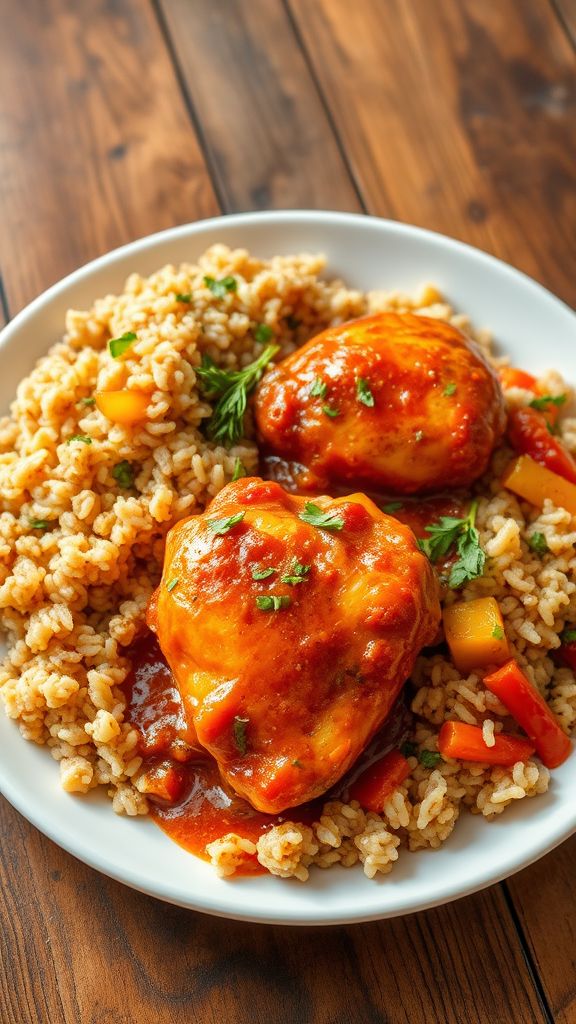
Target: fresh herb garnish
[(41, 524), (117, 346), (123, 473), (462, 533), (221, 287), (231, 388), (392, 507), (263, 333), (273, 602), (171, 584), (537, 542), (545, 400), (408, 749), (568, 636), (330, 411), (363, 392), (296, 574), (429, 758), (239, 470), (319, 388), (222, 526), (498, 633), (90, 400), (419, 435), (315, 516), (80, 437), (183, 297), (450, 389), (239, 732), (263, 574)]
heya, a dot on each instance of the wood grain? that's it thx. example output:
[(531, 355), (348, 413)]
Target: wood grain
[(458, 116), (95, 140), (269, 140), (567, 12)]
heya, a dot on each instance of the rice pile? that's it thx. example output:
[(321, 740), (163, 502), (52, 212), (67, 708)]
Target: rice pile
[(80, 554)]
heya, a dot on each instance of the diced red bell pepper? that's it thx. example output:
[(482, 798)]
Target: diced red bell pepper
[(466, 743), (529, 435), (379, 780), (531, 712)]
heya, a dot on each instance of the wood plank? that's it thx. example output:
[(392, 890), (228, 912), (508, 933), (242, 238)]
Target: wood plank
[(458, 116), (567, 11), (269, 139), (95, 139), (123, 957)]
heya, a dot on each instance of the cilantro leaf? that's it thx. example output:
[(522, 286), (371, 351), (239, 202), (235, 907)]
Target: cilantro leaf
[(263, 574), (183, 297), (118, 346), (221, 287), (498, 633), (319, 388), (263, 333), (239, 470), (84, 438), (545, 400), (297, 573), (231, 388), (450, 389), (41, 524), (123, 473), (429, 758), (239, 733), (273, 602), (222, 526), (363, 392), (330, 411), (450, 531), (537, 543), (315, 516)]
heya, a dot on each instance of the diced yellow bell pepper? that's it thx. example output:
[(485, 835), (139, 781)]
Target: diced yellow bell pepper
[(475, 634), (125, 407), (534, 483)]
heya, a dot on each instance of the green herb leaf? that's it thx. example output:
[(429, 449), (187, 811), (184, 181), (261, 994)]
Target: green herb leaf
[(118, 346), (450, 389), (392, 507), (239, 470), (90, 400), (408, 749), (239, 732), (263, 333), (220, 288), (319, 388), (222, 526), (263, 574), (41, 524), (231, 388), (315, 516), (273, 602), (363, 392), (429, 758), (568, 636), (498, 633), (537, 542), (462, 533), (330, 411), (296, 574), (545, 400), (171, 584), (80, 437), (123, 473), (183, 297)]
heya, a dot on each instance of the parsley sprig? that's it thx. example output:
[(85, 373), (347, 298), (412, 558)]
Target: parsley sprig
[(315, 516), (222, 526), (296, 574), (231, 388), (221, 287), (363, 392), (545, 400), (462, 534)]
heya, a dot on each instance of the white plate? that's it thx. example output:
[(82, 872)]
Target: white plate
[(538, 331)]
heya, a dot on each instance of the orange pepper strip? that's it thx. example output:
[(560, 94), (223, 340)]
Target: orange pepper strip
[(379, 780), (531, 712), (535, 483), (124, 407), (528, 433), (466, 743), (511, 377)]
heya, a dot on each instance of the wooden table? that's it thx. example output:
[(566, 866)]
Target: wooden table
[(122, 117)]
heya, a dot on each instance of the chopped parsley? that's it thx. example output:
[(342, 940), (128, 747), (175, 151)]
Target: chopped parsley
[(263, 333), (183, 297), (90, 400), (451, 532), (231, 388), (330, 411), (41, 524), (498, 633), (222, 287), (568, 636), (392, 507), (80, 437), (263, 574), (296, 574), (450, 389), (123, 473), (222, 526), (545, 400), (118, 346), (315, 516), (319, 388), (171, 584), (239, 470), (239, 733), (537, 543), (273, 602), (429, 758), (363, 392)]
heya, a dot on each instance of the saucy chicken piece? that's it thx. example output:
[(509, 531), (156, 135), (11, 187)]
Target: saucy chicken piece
[(395, 401), (290, 628)]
